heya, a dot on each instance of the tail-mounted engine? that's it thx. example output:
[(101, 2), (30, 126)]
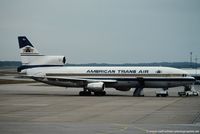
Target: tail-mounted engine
[(41, 61), (47, 60)]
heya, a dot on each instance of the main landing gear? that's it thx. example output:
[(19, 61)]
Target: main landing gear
[(138, 92), (101, 93), (87, 92), (162, 93)]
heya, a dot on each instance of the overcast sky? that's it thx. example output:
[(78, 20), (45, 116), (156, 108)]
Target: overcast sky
[(103, 31)]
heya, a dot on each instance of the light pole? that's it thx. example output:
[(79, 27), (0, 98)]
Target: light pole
[(196, 63), (191, 59)]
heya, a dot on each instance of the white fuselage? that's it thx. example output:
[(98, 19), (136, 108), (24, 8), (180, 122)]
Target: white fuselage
[(125, 77)]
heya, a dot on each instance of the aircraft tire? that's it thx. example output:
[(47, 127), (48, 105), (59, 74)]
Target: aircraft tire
[(157, 95), (85, 93), (164, 95), (102, 93)]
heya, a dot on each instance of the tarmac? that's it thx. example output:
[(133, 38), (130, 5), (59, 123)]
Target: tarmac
[(36, 108)]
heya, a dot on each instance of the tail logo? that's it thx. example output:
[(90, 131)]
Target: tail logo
[(27, 50)]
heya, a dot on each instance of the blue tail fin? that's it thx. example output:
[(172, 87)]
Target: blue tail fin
[(23, 41)]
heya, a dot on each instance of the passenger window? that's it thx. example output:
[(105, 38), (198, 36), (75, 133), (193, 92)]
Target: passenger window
[(184, 75)]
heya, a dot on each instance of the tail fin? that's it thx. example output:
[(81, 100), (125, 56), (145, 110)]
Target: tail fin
[(23, 42), (30, 57), (26, 49)]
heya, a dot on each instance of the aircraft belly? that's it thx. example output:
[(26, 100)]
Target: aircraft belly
[(125, 84), (165, 84), (147, 84), (154, 84), (150, 83)]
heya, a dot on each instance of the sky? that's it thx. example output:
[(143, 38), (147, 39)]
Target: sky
[(103, 31)]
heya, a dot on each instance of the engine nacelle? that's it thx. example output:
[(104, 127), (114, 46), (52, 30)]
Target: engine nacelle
[(96, 86), (41, 61), (123, 88), (46, 60)]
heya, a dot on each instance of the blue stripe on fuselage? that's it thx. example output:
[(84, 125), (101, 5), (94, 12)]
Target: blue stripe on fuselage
[(20, 68)]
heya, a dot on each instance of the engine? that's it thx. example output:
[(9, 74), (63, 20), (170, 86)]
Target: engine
[(123, 88), (96, 86), (41, 60), (48, 60)]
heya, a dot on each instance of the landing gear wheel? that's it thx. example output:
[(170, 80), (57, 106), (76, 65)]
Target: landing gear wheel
[(102, 93), (164, 95), (138, 95), (85, 93)]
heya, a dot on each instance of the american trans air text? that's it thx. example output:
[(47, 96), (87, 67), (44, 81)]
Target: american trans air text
[(118, 71)]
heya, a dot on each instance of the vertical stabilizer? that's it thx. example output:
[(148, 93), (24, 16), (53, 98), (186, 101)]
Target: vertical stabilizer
[(27, 50)]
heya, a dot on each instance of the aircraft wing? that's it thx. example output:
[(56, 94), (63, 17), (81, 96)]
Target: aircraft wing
[(73, 79)]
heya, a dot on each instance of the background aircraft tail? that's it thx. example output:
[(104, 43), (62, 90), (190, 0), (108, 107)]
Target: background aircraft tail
[(30, 56)]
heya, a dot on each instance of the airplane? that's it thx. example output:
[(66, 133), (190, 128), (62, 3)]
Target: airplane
[(94, 80)]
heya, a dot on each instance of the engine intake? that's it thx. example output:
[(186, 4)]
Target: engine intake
[(96, 87), (48, 60)]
